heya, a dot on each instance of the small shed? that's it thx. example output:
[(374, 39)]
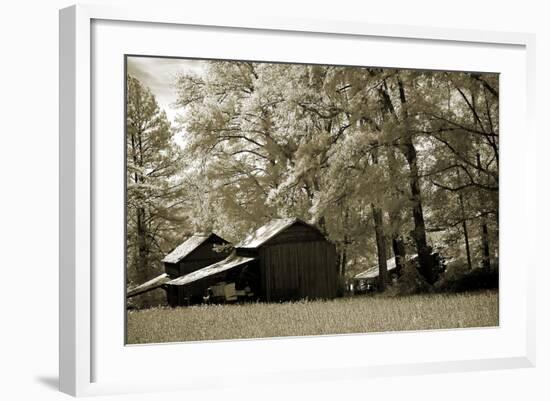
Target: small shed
[(368, 279), (196, 252)]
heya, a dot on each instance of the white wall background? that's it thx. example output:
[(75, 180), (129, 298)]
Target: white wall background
[(29, 200)]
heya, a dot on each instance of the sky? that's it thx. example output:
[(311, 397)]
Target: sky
[(159, 74)]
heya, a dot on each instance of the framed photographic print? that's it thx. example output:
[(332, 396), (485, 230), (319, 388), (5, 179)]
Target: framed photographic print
[(254, 191)]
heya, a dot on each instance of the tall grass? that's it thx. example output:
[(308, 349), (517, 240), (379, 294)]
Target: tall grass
[(343, 315)]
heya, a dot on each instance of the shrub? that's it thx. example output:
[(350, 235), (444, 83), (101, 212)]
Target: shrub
[(459, 278), (410, 282)]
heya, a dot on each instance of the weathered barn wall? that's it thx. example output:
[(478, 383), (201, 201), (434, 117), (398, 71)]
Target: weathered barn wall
[(172, 269), (291, 271)]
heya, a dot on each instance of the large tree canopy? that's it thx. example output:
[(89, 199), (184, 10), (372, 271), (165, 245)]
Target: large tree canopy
[(385, 162)]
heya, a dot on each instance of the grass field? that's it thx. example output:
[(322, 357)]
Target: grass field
[(359, 314)]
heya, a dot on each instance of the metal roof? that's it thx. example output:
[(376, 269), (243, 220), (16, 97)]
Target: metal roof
[(148, 285), (186, 248), (230, 262), (266, 232), (373, 271)]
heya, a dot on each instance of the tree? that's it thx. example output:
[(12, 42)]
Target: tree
[(378, 159), (153, 187), (462, 124)]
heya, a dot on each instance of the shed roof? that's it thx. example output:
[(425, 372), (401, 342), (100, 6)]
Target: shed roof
[(266, 232), (185, 248), (148, 285), (373, 272), (228, 263)]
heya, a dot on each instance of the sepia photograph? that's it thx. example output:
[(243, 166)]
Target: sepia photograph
[(269, 199)]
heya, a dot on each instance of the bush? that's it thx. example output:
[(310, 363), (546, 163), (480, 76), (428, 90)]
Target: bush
[(459, 278), (410, 282), (453, 272)]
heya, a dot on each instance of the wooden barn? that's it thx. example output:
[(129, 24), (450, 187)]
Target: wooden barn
[(286, 259), (193, 254)]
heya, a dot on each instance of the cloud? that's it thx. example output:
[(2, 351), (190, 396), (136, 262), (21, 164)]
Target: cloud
[(159, 74)]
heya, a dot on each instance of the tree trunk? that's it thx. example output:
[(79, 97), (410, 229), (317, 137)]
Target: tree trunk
[(425, 260), (381, 247), (344, 259), (142, 244), (465, 231), (409, 151), (464, 224), (486, 254), (419, 232), (398, 245), (486, 262), (343, 254)]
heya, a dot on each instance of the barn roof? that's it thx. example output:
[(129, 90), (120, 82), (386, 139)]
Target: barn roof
[(186, 247), (266, 232), (228, 263), (148, 285)]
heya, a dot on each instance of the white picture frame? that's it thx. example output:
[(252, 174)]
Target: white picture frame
[(83, 344)]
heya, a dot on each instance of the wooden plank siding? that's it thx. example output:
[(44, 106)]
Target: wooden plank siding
[(172, 269), (291, 271)]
